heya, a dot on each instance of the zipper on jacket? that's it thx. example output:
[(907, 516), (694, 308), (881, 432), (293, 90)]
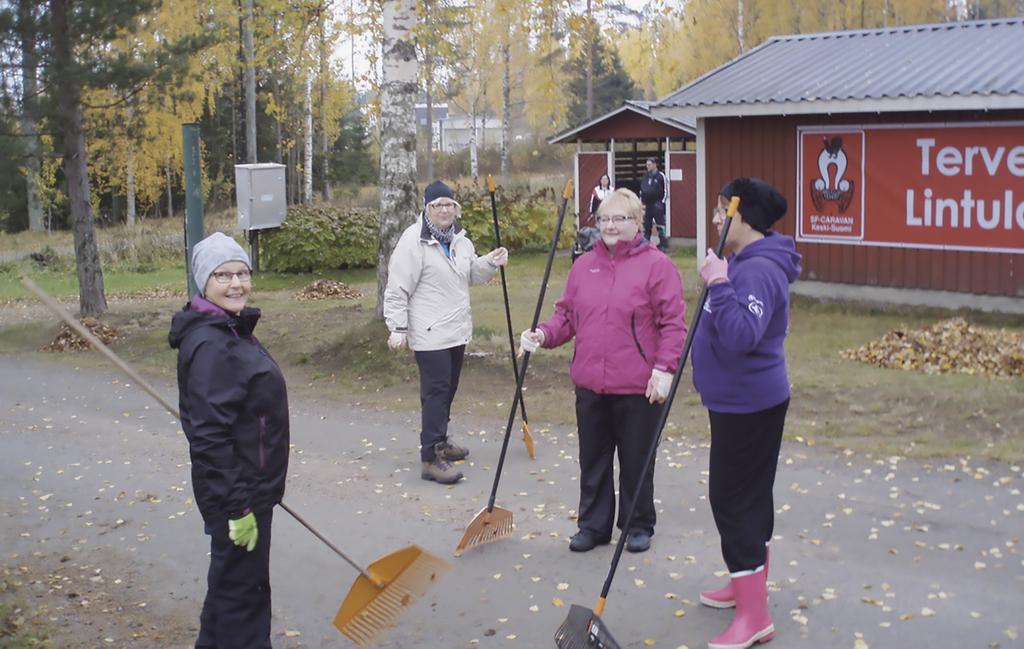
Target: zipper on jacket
[(636, 339), (263, 427)]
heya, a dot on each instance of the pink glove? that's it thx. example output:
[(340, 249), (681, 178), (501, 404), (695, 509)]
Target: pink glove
[(714, 270)]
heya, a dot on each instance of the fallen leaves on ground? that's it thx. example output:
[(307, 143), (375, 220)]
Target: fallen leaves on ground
[(949, 346), (322, 289), (68, 341)]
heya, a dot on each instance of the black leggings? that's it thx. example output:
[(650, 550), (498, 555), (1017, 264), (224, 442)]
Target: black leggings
[(744, 457)]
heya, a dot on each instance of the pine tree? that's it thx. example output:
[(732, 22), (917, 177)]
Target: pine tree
[(611, 84)]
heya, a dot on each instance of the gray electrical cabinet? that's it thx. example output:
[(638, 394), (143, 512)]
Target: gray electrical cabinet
[(261, 199)]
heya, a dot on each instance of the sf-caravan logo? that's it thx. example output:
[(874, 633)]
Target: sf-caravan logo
[(831, 184)]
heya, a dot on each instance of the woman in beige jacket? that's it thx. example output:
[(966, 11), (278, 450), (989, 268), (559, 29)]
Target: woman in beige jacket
[(426, 306)]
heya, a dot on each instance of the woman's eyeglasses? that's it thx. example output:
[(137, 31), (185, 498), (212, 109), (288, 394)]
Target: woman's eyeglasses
[(225, 277), (443, 206), (617, 219)]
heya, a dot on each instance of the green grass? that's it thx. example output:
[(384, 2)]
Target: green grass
[(335, 348), (18, 627)]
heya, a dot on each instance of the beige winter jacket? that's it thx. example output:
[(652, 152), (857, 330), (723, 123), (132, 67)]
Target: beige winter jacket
[(427, 296)]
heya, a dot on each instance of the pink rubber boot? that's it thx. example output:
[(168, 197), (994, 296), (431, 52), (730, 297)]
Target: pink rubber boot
[(723, 597), (752, 623)]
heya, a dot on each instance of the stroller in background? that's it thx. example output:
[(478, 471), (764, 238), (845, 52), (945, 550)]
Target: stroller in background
[(586, 236)]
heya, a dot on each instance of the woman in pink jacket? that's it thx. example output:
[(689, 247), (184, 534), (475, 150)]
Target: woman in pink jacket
[(623, 304)]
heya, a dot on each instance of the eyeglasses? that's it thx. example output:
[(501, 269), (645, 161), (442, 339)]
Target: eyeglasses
[(719, 211), (225, 277), (617, 219), (443, 206)]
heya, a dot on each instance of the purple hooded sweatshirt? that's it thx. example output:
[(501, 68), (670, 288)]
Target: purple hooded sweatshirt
[(627, 314), (739, 365)]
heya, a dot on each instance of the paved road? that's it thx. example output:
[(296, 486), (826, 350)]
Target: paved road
[(878, 553)]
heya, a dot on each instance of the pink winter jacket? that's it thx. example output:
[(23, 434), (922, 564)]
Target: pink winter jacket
[(627, 314)]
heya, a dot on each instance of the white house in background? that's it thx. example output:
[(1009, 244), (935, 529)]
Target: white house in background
[(438, 112), (455, 131)]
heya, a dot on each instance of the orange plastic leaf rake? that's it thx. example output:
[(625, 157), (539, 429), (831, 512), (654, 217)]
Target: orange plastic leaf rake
[(493, 523)]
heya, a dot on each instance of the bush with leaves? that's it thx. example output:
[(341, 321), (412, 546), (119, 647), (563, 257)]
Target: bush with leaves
[(527, 220), (321, 237)]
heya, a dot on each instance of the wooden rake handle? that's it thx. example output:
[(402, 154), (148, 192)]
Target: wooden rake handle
[(96, 343)]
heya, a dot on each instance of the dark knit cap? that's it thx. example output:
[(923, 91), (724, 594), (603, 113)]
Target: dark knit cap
[(760, 204), (436, 190)]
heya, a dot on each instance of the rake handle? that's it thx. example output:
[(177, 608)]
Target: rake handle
[(663, 415), (504, 293), (376, 581), (521, 377), (99, 346), (96, 343)]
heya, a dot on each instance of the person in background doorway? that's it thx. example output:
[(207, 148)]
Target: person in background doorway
[(234, 411), (623, 304), (601, 191), (739, 369), (653, 192), (426, 306)]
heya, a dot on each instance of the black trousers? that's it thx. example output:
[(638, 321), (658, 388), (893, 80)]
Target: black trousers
[(439, 380), (654, 213), (744, 458), (610, 423), (236, 613)]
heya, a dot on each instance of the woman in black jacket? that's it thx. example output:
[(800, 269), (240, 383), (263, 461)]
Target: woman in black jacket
[(234, 411)]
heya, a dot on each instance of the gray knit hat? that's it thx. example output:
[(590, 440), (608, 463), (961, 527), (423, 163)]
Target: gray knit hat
[(210, 253)]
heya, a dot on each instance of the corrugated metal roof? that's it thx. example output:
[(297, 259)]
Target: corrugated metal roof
[(948, 60)]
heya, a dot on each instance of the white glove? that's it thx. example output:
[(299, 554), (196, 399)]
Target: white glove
[(658, 386), (498, 257), (397, 340), (530, 341)]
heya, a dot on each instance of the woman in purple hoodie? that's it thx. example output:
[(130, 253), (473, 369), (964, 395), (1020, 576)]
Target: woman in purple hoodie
[(623, 304), (739, 369)]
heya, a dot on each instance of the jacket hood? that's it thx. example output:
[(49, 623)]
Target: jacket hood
[(199, 313), (780, 249)]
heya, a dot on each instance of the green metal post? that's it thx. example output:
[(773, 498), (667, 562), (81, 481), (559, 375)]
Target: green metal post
[(193, 198)]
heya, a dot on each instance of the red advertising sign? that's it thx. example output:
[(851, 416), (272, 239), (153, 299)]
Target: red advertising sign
[(957, 187)]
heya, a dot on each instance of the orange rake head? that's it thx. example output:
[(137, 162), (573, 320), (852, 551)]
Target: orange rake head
[(486, 526), (531, 447), (398, 579)]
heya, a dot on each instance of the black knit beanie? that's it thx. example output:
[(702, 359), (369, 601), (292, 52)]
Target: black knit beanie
[(760, 204), (436, 190)]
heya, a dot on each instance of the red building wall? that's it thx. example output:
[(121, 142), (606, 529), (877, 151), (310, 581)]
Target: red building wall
[(766, 147)]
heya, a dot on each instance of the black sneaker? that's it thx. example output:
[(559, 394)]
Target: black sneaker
[(638, 541), (584, 541)]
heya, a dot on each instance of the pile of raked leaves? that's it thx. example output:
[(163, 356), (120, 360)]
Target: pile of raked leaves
[(322, 289), (949, 346), (68, 341)]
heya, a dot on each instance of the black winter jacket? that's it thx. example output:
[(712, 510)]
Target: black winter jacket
[(234, 411)]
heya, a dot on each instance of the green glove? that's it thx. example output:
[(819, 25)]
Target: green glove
[(243, 531)]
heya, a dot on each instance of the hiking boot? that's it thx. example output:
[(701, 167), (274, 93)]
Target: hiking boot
[(440, 470), (452, 452)]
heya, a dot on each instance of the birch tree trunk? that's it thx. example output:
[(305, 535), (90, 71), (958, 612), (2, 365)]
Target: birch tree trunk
[(506, 105), (130, 217), (250, 85), (307, 143), (474, 162), (740, 35), (29, 90), (398, 195), (170, 191), (325, 144), (91, 298)]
